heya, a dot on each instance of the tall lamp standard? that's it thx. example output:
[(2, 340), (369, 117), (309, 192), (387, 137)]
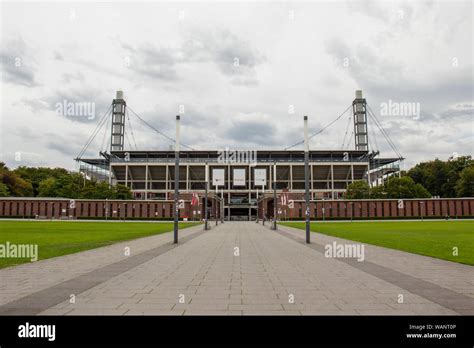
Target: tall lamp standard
[(306, 179), (422, 208), (274, 225), (222, 205), (257, 205), (176, 182), (205, 197)]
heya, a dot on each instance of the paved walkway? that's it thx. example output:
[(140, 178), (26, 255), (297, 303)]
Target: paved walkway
[(237, 268)]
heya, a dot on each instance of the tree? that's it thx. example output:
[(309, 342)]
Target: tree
[(48, 188), (378, 192), (358, 190), (17, 186), (69, 185), (96, 190), (4, 192), (465, 185), (36, 175), (122, 192), (404, 187), (440, 177)]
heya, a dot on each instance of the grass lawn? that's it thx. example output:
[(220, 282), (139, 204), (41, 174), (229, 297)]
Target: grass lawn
[(66, 237), (429, 238)]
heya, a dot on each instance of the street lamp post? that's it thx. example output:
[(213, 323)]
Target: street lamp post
[(206, 227), (306, 179), (274, 225), (125, 211), (352, 210), (257, 206), (176, 182), (222, 205), (106, 208)]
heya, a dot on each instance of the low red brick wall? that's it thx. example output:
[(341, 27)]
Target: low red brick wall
[(114, 209), (373, 209), (321, 209)]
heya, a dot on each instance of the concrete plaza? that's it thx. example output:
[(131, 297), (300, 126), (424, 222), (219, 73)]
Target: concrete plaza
[(233, 269)]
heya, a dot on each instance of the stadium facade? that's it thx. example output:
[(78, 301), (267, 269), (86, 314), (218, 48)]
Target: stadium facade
[(241, 185), (239, 179)]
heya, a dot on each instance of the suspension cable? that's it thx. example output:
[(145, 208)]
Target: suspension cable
[(105, 133), (156, 130), (321, 130), (347, 130), (384, 132), (94, 133), (131, 130)]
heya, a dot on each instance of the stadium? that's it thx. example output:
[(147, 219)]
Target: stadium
[(150, 174), (242, 185)]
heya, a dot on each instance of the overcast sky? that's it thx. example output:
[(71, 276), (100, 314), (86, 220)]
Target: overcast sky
[(238, 69)]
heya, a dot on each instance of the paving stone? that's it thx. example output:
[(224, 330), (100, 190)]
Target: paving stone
[(272, 267)]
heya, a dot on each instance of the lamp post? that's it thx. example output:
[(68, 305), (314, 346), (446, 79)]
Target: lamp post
[(306, 179), (106, 208), (125, 211), (222, 205), (257, 205), (205, 197), (176, 182), (215, 204), (274, 225)]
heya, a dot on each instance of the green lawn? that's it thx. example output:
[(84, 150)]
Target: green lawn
[(429, 238), (66, 237)]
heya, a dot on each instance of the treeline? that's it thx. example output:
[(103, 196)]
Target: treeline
[(446, 179), (55, 182)]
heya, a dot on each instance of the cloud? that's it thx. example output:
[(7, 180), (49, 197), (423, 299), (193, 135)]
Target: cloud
[(17, 63), (232, 56), (69, 77), (56, 101), (237, 68), (58, 56), (253, 129)]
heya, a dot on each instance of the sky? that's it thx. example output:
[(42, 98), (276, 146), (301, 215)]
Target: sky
[(241, 75)]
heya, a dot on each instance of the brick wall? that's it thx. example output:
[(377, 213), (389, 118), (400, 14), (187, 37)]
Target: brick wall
[(339, 209)]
